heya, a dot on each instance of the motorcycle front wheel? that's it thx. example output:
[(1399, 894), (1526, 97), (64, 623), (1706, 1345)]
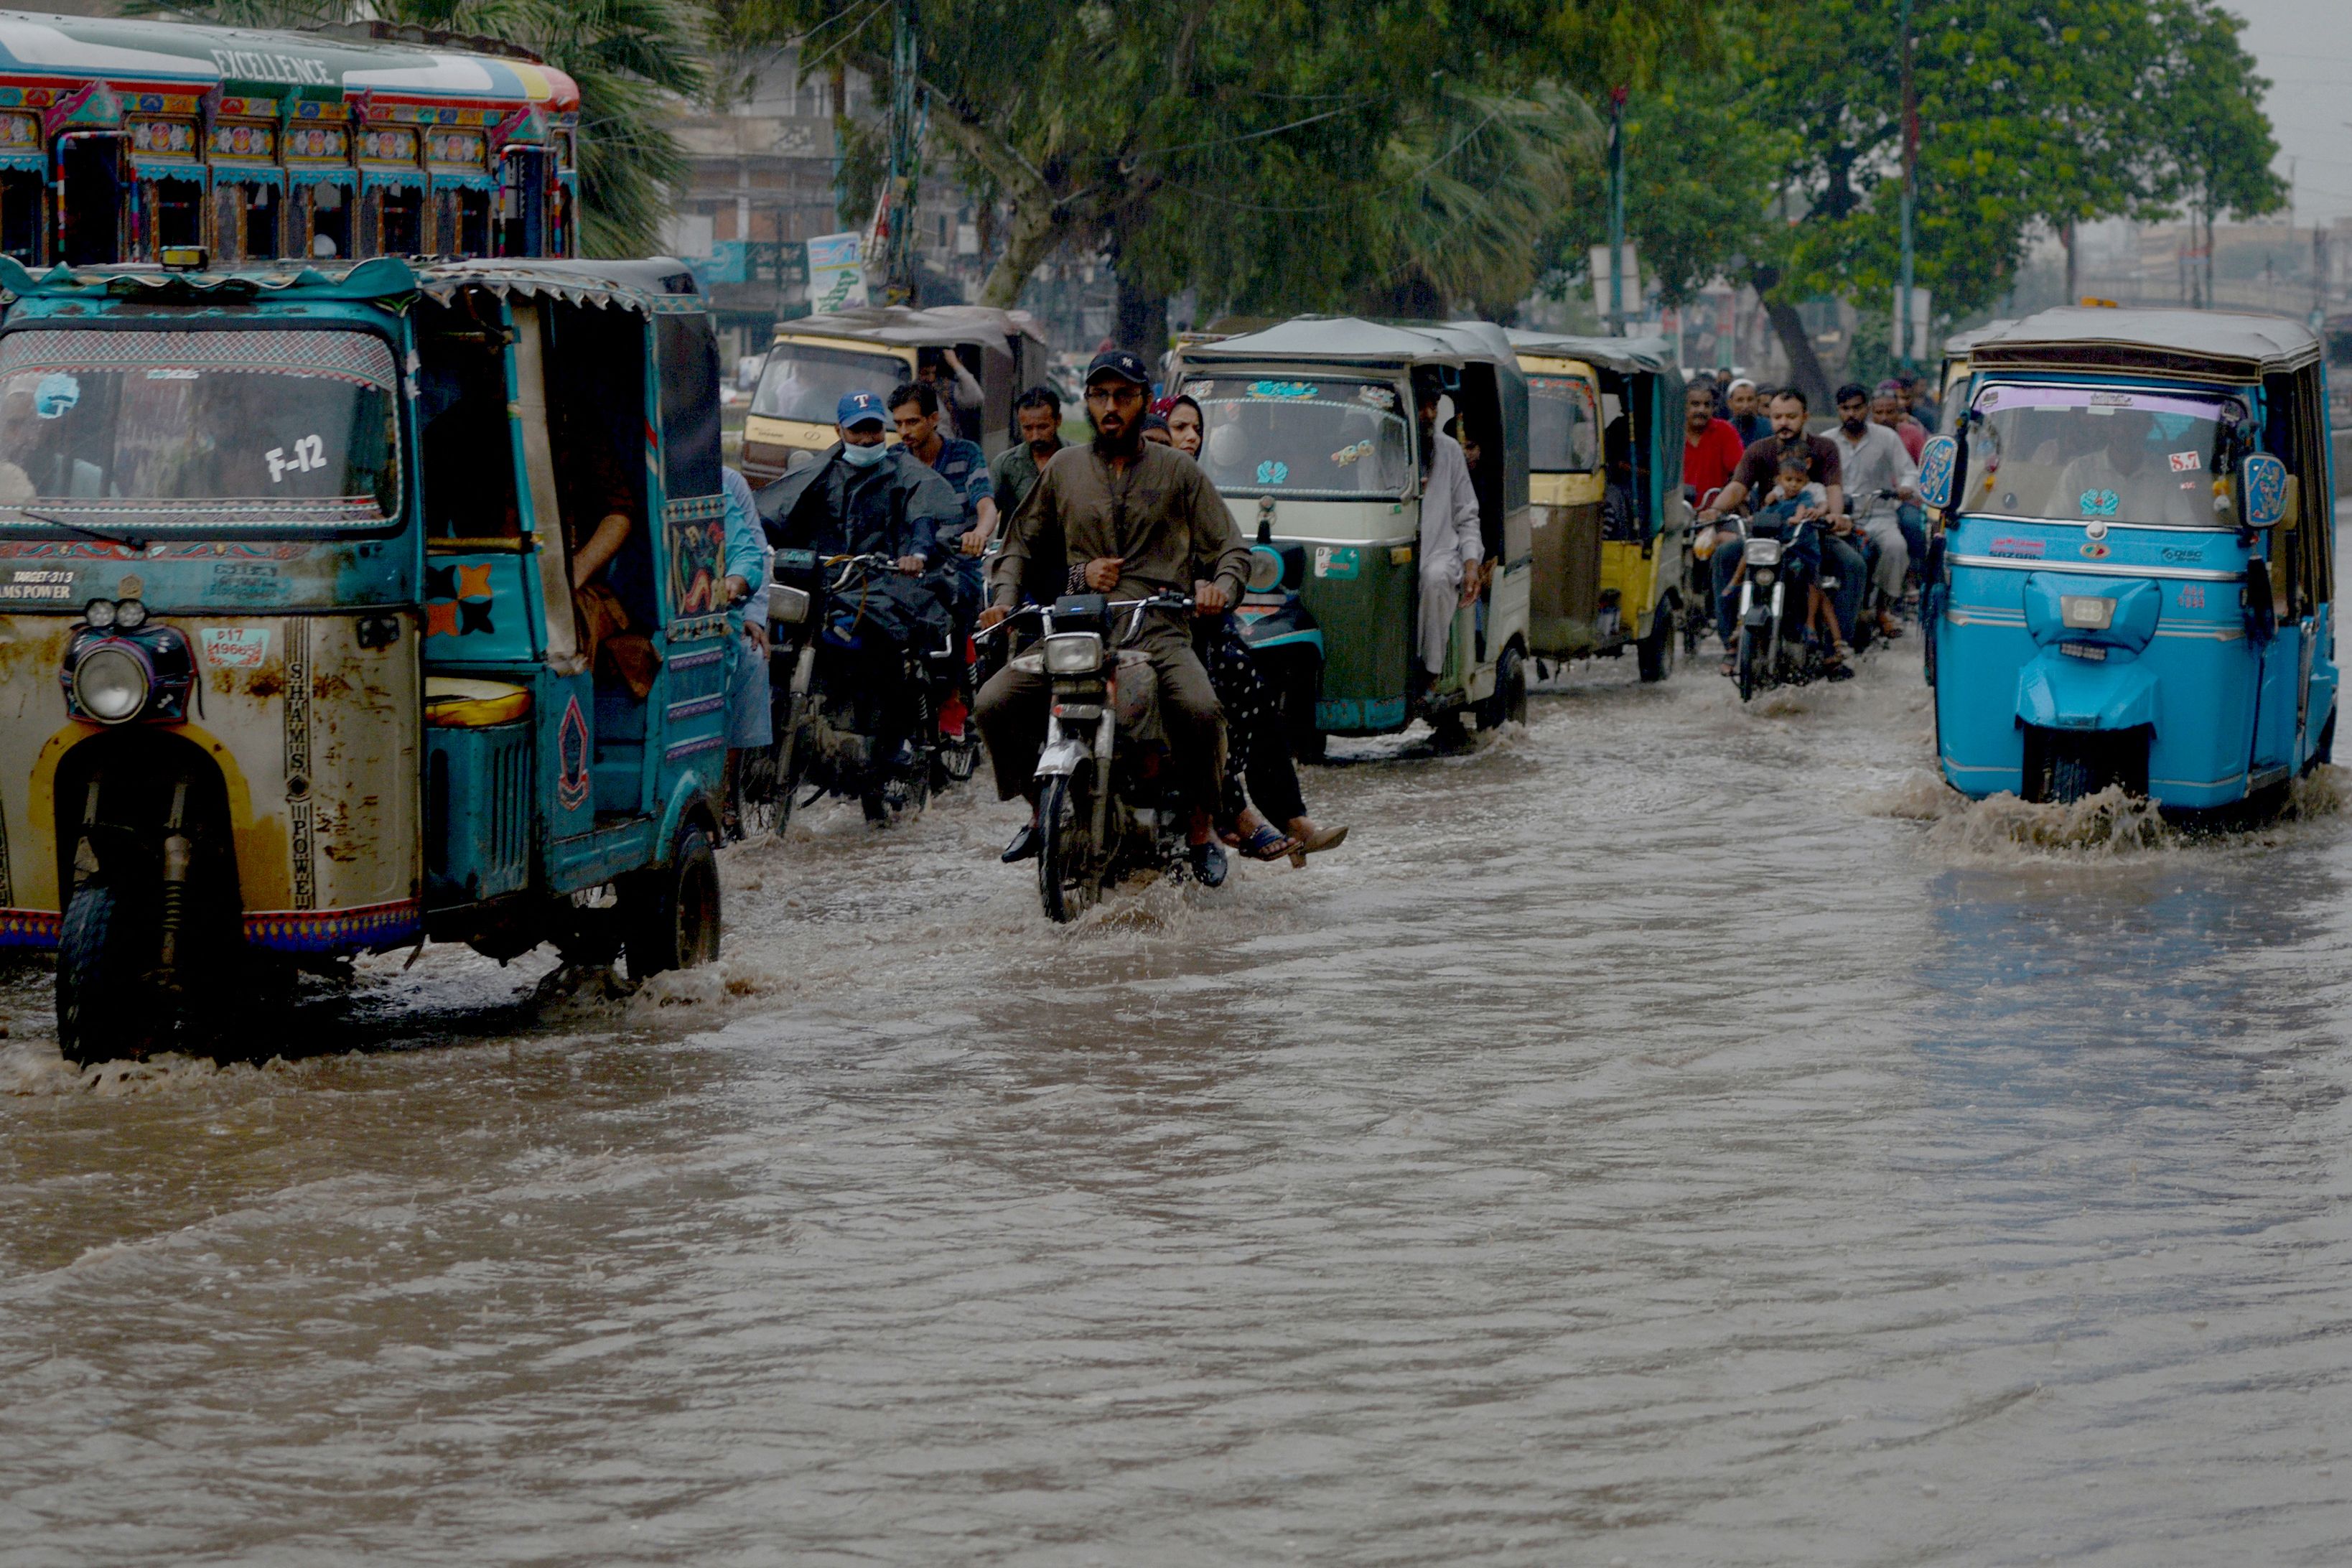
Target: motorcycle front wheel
[(1749, 656), (1068, 874)]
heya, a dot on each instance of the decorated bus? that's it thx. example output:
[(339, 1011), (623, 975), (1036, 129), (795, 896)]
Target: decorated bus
[(121, 140)]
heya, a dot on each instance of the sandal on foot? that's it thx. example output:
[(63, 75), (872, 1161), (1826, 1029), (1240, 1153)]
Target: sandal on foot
[(1321, 839), (1268, 843)]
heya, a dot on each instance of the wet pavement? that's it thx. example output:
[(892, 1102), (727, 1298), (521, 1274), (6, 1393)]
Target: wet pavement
[(1671, 1133)]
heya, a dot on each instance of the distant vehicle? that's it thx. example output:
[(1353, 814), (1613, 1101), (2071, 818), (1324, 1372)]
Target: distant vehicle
[(121, 141), (299, 669), (1604, 411), (2139, 560), (817, 358)]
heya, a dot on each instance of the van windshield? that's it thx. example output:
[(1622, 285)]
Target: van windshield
[(806, 383), (1563, 426), (235, 427), (2080, 454), (1312, 437)]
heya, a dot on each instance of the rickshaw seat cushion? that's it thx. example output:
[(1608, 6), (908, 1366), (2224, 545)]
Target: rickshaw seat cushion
[(452, 702)]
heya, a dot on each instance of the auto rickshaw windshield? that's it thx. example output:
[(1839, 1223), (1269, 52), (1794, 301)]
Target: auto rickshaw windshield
[(1563, 426), (806, 383), (2082, 455), (204, 428), (1318, 437)]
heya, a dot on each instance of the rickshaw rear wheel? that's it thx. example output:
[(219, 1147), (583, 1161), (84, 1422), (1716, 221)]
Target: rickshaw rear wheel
[(104, 1013), (671, 912), (1654, 654), (1509, 705)]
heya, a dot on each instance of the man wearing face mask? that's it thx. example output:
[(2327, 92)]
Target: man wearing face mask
[(863, 497)]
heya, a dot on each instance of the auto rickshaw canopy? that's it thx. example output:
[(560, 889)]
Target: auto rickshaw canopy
[(2202, 345)]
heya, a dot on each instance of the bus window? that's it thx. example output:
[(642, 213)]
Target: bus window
[(522, 201), (396, 216), (175, 215), (329, 211), (91, 219), (245, 215), (461, 221), (20, 214)]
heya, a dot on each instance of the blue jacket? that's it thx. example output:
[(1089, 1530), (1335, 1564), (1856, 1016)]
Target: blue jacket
[(745, 558)]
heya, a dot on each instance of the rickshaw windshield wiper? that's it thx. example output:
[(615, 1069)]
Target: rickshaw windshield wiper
[(133, 545)]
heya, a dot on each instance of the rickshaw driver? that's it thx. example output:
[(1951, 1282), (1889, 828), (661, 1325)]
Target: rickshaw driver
[(1453, 548), (1136, 516), (2115, 479)]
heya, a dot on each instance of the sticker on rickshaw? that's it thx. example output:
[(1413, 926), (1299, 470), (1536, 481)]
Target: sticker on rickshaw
[(56, 394), (1271, 472), (2032, 548), (2186, 462), (1378, 397), (2099, 503), (1281, 389), (1338, 561), (236, 648), (40, 586)]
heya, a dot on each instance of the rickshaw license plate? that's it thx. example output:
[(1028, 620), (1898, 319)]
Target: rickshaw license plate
[(1338, 561)]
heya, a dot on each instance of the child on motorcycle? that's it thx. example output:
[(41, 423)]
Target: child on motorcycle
[(1795, 503)]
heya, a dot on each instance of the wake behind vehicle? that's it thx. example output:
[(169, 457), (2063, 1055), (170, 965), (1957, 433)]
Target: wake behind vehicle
[(2138, 563), (1604, 412), (295, 670), (816, 360), (1311, 436)]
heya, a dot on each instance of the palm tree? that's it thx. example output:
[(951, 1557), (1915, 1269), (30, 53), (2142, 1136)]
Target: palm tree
[(631, 58)]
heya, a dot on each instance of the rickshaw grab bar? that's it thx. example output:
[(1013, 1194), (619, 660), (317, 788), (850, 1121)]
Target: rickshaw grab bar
[(2093, 569)]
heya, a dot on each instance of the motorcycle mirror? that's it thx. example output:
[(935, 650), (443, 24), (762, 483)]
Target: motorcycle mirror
[(1938, 464)]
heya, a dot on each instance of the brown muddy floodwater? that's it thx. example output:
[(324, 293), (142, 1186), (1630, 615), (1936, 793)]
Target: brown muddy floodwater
[(1671, 1135)]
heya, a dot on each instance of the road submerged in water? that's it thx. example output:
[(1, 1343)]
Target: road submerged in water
[(1669, 1134)]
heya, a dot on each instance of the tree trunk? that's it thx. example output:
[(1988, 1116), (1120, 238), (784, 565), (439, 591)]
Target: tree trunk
[(1804, 366), (1030, 239), (2073, 289), (1141, 321)]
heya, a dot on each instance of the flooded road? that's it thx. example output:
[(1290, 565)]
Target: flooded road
[(1669, 1134)]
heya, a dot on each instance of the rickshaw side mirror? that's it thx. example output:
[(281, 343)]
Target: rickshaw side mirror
[(2263, 494), (1940, 462)]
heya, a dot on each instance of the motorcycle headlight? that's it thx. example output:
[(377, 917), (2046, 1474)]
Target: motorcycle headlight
[(1763, 552), (110, 685), (129, 614), (1763, 577), (98, 613), (1073, 653), (787, 607)]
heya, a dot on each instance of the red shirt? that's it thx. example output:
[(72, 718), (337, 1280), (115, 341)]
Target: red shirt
[(1709, 462), (1914, 436)]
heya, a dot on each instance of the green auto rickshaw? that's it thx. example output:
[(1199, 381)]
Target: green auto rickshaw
[(1310, 432)]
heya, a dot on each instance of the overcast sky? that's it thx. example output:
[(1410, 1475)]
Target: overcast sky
[(2305, 46)]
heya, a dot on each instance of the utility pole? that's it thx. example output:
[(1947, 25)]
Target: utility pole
[(1910, 189), (1617, 211), (896, 218)]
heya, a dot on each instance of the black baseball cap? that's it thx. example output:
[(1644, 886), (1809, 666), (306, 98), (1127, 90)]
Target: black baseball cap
[(1122, 365)]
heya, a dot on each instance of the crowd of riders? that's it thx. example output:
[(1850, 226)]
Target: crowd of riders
[(1844, 501), (908, 554)]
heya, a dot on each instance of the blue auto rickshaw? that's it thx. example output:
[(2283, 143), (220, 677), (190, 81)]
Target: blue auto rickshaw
[(295, 663), (2137, 568)]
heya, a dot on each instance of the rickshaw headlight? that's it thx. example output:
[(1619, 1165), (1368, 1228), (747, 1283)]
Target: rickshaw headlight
[(2086, 612), (98, 613), (110, 685), (1264, 570), (1073, 653), (129, 614)]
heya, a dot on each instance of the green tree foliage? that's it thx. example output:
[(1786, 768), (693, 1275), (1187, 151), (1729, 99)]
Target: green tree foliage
[(1284, 153), (632, 59)]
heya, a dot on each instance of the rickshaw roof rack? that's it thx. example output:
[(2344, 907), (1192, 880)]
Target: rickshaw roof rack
[(1962, 342), (920, 327), (658, 285), (2190, 344), (1626, 355), (1358, 340)]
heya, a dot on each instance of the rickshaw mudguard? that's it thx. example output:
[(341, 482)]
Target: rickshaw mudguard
[(688, 798), (2058, 691)]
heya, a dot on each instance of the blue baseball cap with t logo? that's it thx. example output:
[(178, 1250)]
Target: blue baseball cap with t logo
[(860, 408)]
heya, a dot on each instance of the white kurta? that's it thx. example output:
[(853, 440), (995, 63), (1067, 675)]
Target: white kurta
[(1451, 543)]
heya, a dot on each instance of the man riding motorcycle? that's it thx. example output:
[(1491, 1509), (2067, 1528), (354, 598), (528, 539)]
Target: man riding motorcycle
[(1129, 516), (863, 497)]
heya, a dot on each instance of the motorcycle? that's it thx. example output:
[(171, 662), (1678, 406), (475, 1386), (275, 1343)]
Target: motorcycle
[(1109, 803), (827, 633), (1771, 644)]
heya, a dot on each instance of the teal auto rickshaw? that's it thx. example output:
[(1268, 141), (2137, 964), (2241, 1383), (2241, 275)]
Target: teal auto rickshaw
[(293, 661), (2136, 578), (1310, 432)]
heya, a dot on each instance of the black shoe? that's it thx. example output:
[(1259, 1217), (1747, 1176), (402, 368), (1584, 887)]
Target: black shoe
[(1208, 863), (1023, 846)]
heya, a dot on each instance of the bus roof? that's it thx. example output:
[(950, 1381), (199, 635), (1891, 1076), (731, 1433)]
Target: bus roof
[(259, 71)]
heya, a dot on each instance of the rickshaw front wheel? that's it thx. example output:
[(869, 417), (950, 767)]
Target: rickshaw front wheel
[(671, 912), (104, 1013)]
